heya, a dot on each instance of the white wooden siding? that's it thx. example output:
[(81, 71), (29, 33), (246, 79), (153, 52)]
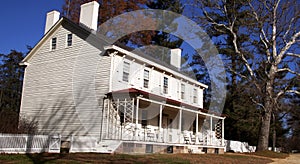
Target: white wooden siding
[(136, 79), (48, 95)]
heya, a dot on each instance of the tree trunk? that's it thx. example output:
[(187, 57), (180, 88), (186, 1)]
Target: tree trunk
[(274, 133), (263, 138)]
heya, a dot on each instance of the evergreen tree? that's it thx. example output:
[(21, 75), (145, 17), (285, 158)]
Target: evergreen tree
[(11, 79)]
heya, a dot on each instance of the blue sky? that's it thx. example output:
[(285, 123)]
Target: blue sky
[(23, 21)]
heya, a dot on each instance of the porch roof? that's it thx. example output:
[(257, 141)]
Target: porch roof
[(146, 94)]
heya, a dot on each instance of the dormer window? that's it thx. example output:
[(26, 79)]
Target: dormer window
[(53, 43), (195, 97), (126, 68), (165, 86), (146, 78), (69, 40)]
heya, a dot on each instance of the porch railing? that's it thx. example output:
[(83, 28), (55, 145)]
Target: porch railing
[(153, 134)]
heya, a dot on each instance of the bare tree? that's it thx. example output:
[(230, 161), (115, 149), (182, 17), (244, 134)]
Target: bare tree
[(265, 40)]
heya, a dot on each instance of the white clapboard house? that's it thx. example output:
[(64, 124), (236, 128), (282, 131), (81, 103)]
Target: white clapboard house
[(105, 98)]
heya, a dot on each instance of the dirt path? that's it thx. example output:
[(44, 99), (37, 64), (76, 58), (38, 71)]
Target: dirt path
[(292, 159)]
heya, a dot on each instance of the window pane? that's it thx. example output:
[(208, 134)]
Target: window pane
[(146, 78), (53, 44), (182, 91), (165, 87), (125, 76), (126, 68), (69, 41), (195, 96), (146, 74)]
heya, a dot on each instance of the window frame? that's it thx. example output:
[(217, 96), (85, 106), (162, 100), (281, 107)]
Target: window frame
[(68, 40), (126, 71), (53, 43), (165, 85), (182, 91), (146, 79), (195, 95)]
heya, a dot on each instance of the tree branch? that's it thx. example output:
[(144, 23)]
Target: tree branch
[(235, 72), (289, 29), (274, 29), (289, 70), (286, 47), (293, 91), (262, 36), (257, 103), (293, 54), (213, 22)]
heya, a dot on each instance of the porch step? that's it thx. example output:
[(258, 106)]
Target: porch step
[(108, 146)]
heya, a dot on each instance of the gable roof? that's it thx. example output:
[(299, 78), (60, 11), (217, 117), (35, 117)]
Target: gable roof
[(63, 21), (97, 41)]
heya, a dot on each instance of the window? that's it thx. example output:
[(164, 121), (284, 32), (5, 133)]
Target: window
[(69, 40), (146, 78), (165, 89), (53, 43), (195, 96), (126, 68), (182, 91)]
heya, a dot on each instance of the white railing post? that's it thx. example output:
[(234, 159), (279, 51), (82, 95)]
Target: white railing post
[(160, 123), (210, 133), (26, 141), (137, 118), (223, 132), (197, 128), (118, 127), (107, 118), (179, 126)]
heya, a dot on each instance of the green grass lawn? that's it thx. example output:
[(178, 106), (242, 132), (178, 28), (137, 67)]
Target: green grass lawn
[(148, 158)]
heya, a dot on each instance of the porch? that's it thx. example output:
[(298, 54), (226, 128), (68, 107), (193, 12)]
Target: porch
[(139, 119)]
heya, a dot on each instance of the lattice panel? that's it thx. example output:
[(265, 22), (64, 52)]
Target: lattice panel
[(120, 117), (218, 129), (127, 108)]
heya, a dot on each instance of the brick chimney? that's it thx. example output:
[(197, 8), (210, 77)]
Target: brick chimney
[(51, 19), (89, 15)]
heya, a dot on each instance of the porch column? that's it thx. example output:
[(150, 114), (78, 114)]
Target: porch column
[(118, 122), (137, 118), (107, 119), (132, 113), (222, 132), (210, 133), (197, 128), (179, 126), (160, 123)]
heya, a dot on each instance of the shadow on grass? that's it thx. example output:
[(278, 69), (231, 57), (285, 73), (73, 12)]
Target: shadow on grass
[(270, 154), (130, 159)]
